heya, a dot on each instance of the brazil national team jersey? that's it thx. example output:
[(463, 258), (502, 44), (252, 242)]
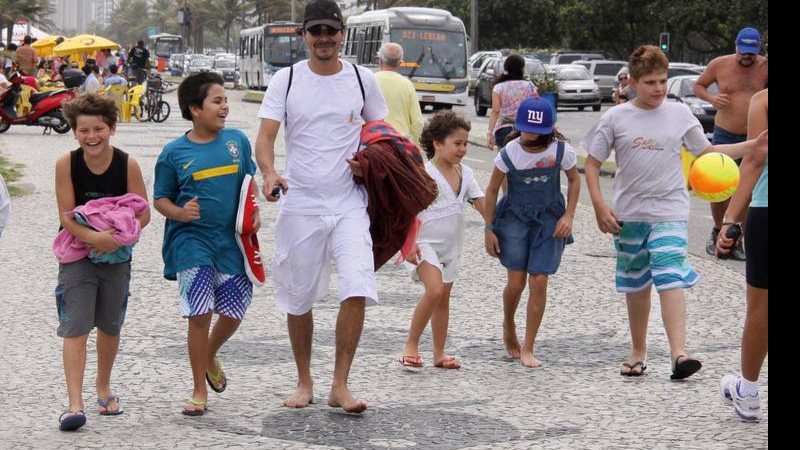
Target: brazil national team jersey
[(212, 172)]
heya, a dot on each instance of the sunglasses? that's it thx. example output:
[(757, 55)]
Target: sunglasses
[(317, 30), (623, 78)]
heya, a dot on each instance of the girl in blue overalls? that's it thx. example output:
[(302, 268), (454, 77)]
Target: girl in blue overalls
[(531, 224)]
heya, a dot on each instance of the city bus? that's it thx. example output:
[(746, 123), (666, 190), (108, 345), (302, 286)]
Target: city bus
[(265, 49), (434, 44), (163, 45)]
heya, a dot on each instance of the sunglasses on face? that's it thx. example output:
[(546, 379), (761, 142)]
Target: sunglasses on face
[(623, 78), (317, 30)]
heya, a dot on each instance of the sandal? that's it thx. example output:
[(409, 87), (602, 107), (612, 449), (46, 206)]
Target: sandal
[(684, 368), (634, 370), (105, 410), (194, 403), (448, 362), (217, 378), (71, 420)]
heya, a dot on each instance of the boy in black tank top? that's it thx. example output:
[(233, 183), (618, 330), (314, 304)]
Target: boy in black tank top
[(91, 294)]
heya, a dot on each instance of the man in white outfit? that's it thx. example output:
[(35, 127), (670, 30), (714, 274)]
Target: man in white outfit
[(323, 213)]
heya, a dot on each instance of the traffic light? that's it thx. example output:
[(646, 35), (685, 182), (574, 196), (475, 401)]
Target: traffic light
[(664, 41)]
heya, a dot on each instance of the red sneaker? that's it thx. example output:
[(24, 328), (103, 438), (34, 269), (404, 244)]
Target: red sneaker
[(245, 234), (248, 244), (248, 206)]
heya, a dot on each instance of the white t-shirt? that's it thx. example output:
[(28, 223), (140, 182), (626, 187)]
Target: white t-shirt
[(523, 160), (649, 185), (323, 129)]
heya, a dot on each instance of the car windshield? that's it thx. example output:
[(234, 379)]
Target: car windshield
[(201, 62), (688, 84), (432, 54), (224, 64), (573, 74)]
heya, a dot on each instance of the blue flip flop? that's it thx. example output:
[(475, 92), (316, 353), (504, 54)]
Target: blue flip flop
[(104, 405), (73, 421)]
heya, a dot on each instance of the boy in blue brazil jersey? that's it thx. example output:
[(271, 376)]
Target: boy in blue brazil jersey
[(197, 184)]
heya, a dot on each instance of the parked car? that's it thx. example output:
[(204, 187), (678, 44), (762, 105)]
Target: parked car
[(475, 63), (227, 68), (604, 72), (490, 71), (576, 87), (200, 65), (567, 57), (680, 89)]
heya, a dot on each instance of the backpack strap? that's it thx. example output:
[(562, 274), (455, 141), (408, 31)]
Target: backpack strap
[(361, 85)]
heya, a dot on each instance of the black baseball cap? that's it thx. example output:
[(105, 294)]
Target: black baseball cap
[(323, 12)]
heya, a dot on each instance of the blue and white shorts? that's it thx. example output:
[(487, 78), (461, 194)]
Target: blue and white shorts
[(203, 289), (653, 253)]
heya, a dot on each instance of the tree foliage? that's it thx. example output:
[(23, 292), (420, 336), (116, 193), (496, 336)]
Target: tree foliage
[(699, 29)]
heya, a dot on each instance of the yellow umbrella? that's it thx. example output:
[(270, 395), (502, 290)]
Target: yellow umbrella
[(44, 46), (84, 43)]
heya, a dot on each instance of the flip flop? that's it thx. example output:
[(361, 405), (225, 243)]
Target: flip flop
[(448, 362), (104, 405), (685, 368), (632, 369), (217, 378), (72, 421), (411, 361), (195, 412)]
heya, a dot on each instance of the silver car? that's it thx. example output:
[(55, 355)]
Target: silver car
[(576, 88), (604, 73)]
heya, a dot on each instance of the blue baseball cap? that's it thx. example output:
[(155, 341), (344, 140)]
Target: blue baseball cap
[(748, 41), (535, 115)]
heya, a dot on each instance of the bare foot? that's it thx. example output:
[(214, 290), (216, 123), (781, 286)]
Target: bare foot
[(301, 398), (529, 361), (342, 398), (511, 341)]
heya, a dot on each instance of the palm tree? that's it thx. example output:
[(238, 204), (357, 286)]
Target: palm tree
[(127, 24), (228, 12), (34, 11), (164, 15)]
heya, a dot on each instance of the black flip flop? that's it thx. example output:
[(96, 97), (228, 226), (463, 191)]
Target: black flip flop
[(632, 369), (685, 368)]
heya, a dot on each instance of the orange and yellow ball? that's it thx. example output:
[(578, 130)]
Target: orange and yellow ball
[(714, 177)]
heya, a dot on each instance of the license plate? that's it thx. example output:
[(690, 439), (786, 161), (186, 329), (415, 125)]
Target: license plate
[(428, 98)]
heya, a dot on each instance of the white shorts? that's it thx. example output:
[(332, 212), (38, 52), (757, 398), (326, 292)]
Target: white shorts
[(448, 267), (305, 246)]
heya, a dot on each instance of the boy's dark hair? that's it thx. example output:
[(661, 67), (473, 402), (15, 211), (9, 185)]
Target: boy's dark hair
[(544, 140), (113, 68), (90, 105), (647, 59), (441, 125), (194, 89), (513, 69)]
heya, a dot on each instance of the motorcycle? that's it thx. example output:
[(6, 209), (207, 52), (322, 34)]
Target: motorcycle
[(45, 110)]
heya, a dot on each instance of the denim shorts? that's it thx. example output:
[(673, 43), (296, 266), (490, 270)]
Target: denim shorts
[(653, 253), (523, 247)]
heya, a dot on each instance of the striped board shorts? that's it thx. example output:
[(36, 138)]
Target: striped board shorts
[(203, 289), (653, 253)]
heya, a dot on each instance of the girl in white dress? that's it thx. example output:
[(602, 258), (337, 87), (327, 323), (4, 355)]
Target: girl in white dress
[(438, 248)]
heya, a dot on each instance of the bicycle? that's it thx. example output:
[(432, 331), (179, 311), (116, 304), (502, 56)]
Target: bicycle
[(157, 109)]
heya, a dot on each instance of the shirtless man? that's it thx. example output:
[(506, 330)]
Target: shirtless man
[(738, 77)]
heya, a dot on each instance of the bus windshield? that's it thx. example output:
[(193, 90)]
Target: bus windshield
[(431, 53), (165, 48), (283, 50)]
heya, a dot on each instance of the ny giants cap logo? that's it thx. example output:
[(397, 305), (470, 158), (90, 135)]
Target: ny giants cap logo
[(536, 117)]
